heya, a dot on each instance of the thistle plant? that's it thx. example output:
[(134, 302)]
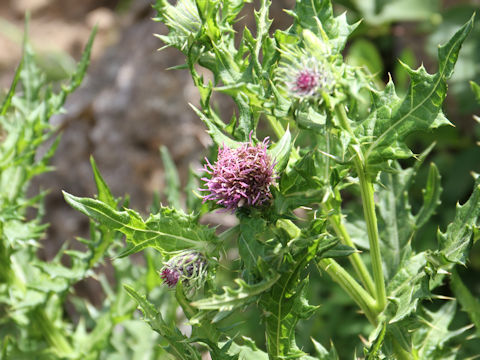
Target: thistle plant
[(337, 136)]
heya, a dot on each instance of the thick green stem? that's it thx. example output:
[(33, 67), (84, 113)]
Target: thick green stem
[(355, 259), (51, 334), (368, 202), (343, 120), (350, 285), (366, 191)]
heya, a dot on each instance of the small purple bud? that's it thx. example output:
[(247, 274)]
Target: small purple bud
[(240, 177), (189, 266)]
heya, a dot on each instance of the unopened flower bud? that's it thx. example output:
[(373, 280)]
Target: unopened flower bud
[(190, 267)]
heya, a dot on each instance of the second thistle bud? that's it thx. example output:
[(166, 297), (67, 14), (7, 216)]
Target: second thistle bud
[(308, 78), (190, 267)]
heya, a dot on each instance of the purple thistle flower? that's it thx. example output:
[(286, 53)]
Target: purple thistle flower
[(305, 78), (240, 176), (306, 82), (189, 266)]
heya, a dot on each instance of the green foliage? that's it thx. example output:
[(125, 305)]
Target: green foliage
[(178, 343), (167, 231), (34, 292), (338, 134)]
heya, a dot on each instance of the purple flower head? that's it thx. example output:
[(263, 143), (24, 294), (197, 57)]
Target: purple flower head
[(305, 78), (306, 82), (241, 176), (189, 266)]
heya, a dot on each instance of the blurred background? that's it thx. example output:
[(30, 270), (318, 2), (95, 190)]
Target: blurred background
[(130, 104)]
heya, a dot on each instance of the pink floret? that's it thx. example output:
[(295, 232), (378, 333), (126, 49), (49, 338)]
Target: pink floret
[(240, 177)]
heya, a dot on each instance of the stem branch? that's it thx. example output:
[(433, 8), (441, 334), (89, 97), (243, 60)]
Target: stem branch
[(355, 259), (368, 202), (350, 285)]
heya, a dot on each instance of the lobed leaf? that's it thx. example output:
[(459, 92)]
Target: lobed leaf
[(430, 340), (392, 119), (280, 151), (455, 242), (168, 231), (317, 16), (235, 298), (178, 344)]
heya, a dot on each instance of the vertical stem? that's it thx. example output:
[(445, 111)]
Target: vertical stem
[(356, 260), (351, 287), (366, 191), (368, 202)]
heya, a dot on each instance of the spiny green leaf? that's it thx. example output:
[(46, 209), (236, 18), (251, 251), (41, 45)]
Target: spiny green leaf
[(249, 246), (322, 353), (234, 298), (431, 197), (470, 304), (430, 340), (168, 231), (317, 16), (182, 20), (280, 151), (104, 193), (263, 25), (398, 223), (249, 351), (8, 98), (392, 120), (407, 287), (231, 8), (218, 137), (284, 305), (56, 102), (178, 344), (455, 242)]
